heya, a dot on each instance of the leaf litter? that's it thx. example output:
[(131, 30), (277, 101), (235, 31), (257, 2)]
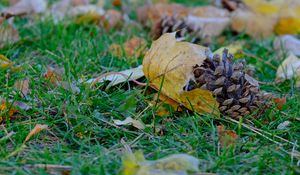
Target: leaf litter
[(169, 65)]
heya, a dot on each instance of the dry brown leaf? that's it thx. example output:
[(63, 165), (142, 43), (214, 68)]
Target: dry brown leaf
[(26, 7), (168, 66), (8, 34), (209, 11), (37, 129), (289, 69), (6, 109), (79, 2), (226, 137), (23, 86), (130, 121), (279, 102), (152, 13), (288, 43), (253, 24), (112, 19), (52, 76), (208, 27), (135, 47)]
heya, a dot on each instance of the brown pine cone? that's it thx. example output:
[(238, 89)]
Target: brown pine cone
[(169, 24), (237, 92)]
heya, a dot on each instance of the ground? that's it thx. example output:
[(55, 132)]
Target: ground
[(81, 132)]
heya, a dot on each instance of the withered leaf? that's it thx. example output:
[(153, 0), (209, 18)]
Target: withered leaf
[(37, 129), (168, 66)]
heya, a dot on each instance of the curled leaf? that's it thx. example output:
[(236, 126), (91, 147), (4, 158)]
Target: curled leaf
[(37, 129), (5, 62), (176, 164), (288, 43), (168, 66), (289, 68), (130, 121)]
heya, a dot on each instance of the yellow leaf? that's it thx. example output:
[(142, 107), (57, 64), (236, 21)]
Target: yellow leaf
[(5, 62), (288, 25), (265, 7), (233, 48), (289, 68), (38, 128), (7, 109), (168, 65), (135, 164)]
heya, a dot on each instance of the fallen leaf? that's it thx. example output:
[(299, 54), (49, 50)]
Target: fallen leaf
[(150, 14), (253, 24), (23, 86), (112, 19), (168, 65), (234, 48), (116, 50), (26, 7), (37, 129), (52, 76), (226, 137), (288, 25), (289, 68), (130, 121), (288, 43), (135, 47), (136, 164), (8, 34), (5, 62), (284, 125), (116, 78), (79, 2), (279, 102), (208, 26), (6, 109), (81, 9), (265, 7), (209, 11)]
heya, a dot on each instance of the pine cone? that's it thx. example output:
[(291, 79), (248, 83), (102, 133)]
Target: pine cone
[(232, 5), (169, 24), (237, 92)]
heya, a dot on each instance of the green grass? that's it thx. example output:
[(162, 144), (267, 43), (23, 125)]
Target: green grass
[(81, 133)]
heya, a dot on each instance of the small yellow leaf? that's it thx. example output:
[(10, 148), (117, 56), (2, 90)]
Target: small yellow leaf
[(5, 62), (168, 65), (288, 25), (38, 128), (6, 109), (135, 164), (265, 7), (233, 48)]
